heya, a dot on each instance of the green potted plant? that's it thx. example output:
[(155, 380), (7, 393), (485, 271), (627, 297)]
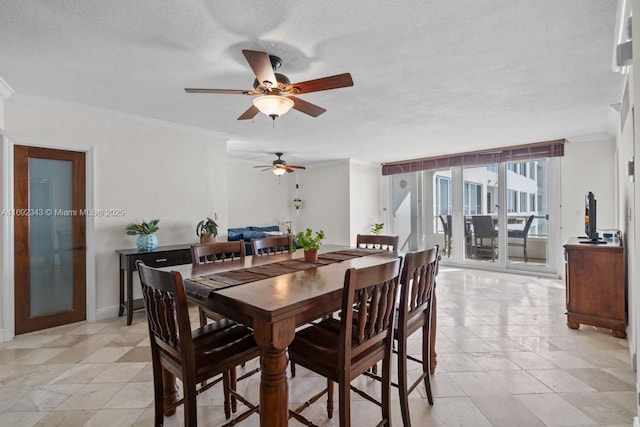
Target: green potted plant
[(206, 230), (377, 228), (145, 230), (310, 243)]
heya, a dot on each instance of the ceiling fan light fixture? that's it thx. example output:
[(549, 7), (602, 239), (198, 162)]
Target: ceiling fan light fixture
[(273, 106), (279, 171)]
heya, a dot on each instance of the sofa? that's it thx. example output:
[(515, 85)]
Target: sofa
[(248, 233)]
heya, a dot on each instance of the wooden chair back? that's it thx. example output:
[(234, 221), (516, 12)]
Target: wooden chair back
[(167, 311), (377, 241), (368, 308), (272, 245), (217, 251), (417, 284)]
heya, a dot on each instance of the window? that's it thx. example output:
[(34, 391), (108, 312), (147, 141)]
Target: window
[(443, 195), (511, 201), (523, 169), (532, 202), (472, 198), (532, 170), (523, 202), (511, 167), (443, 200)]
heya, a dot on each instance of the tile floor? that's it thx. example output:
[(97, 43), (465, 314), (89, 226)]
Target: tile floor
[(505, 358)]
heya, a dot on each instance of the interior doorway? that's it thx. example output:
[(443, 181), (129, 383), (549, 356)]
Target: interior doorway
[(49, 237)]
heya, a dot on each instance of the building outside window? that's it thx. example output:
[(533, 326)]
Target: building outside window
[(472, 198), (523, 202), (512, 200)]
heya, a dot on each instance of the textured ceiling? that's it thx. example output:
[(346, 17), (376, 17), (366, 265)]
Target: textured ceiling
[(430, 77)]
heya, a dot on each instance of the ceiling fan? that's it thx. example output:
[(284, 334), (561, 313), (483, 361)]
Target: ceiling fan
[(279, 166), (274, 91)]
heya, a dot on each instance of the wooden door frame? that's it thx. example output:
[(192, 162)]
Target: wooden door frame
[(7, 332)]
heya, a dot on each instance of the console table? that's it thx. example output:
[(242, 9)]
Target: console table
[(595, 285), (163, 256)]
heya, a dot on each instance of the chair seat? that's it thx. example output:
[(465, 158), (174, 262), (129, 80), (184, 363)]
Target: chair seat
[(317, 346), (223, 340)]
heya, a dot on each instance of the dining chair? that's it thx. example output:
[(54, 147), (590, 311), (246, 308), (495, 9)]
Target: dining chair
[(272, 245), (215, 252), (446, 229), (417, 284), (483, 230), (342, 349), (191, 356), (377, 241), (521, 234)]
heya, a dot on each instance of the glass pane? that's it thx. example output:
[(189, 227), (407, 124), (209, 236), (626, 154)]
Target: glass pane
[(527, 207), (441, 205), (480, 198), (50, 236)]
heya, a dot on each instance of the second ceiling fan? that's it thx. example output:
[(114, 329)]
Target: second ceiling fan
[(274, 91), (279, 166)]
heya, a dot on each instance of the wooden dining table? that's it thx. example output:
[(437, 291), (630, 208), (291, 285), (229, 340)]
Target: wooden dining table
[(273, 308)]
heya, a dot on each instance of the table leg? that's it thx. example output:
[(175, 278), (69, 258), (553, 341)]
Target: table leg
[(121, 308), (129, 297), (274, 338)]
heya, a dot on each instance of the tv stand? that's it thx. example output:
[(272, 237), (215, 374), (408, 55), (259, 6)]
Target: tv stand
[(595, 285), (593, 242)]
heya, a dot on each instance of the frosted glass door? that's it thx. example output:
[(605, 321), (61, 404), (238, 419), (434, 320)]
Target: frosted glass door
[(49, 238)]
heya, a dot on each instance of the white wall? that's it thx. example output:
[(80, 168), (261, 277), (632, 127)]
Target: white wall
[(588, 165), (324, 190), (147, 168), (258, 198), (364, 199)]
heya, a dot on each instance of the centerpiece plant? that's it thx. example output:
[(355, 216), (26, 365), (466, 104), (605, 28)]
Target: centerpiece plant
[(310, 242)]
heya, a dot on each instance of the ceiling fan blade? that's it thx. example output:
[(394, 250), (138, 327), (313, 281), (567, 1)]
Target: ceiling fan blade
[(223, 91), (324, 83), (249, 114), (263, 166), (261, 66), (307, 107), (290, 170), (296, 167)]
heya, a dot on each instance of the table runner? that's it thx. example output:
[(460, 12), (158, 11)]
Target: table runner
[(224, 279)]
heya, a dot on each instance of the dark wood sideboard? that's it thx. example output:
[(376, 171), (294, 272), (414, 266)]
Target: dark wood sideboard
[(163, 256), (596, 285)]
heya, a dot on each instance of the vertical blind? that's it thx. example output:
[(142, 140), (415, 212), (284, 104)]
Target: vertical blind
[(517, 153)]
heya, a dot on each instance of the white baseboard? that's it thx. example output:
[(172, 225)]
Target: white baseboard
[(636, 423), (106, 313)]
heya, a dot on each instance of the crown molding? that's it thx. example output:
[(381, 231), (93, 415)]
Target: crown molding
[(39, 101), (591, 138), (5, 90)]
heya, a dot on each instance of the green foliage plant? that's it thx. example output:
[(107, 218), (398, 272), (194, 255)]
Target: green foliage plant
[(308, 241), (142, 228), (377, 228), (207, 226)]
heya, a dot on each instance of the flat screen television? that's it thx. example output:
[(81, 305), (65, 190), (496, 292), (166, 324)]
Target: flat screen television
[(590, 219)]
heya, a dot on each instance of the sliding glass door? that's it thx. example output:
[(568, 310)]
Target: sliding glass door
[(500, 216)]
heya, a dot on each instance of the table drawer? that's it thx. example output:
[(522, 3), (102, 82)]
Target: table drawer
[(164, 259)]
